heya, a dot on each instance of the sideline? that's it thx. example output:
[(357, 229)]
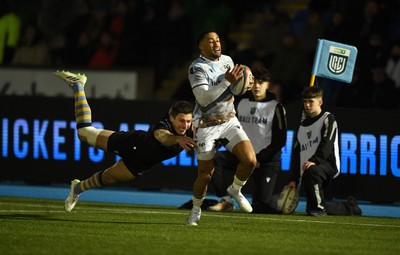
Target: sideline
[(270, 217), (157, 198)]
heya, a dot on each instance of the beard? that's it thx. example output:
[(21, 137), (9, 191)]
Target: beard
[(214, 54)]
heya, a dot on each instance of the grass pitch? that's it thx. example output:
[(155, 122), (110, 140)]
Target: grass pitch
[(34, 226)]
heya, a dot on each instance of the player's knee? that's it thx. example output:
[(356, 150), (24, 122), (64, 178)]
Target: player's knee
[(109, 180), (205, 177), (250, 162), (245, 154), (88, 135), (253, 162)]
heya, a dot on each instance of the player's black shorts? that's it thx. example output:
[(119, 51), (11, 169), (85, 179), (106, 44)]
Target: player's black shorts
[(123, 144)]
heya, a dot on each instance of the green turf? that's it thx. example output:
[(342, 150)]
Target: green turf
[(33, 226)]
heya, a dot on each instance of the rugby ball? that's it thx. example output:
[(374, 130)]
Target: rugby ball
[(288, 200), (240, 86)]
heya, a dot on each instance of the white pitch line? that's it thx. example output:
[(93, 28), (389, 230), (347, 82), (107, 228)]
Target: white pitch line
[(31, 205), (28, 211), (207, 214)]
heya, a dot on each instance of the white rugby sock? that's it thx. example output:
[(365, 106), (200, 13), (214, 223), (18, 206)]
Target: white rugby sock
[(238, 184), (197, 202)]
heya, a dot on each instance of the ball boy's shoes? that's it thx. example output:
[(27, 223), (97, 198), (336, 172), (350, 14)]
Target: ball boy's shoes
[(317, 213), (240, 199), (352, 206), (194, 217), (71, 78), (222, 206), (72, 199)]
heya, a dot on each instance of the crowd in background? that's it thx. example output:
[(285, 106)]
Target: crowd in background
[(123, 34)]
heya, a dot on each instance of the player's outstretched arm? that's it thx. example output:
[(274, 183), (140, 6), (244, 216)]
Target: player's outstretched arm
[(167, 139)]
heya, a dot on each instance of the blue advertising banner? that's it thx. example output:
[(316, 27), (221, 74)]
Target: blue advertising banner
[(39, 145)]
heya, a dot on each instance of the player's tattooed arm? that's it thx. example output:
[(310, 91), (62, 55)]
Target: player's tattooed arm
[(167, 139)]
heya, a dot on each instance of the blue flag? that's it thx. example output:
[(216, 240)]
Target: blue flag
[(334, 60)]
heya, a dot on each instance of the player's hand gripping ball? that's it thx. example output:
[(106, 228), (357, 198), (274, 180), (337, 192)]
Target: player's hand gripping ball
[(240, 86), (288, 200)]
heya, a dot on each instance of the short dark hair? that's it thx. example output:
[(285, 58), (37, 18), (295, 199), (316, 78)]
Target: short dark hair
[(312, 92), (184, 107), (202, 33), (261, 73)]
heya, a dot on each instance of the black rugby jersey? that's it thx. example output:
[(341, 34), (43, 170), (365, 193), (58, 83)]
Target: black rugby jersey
[(153, 150), (140, 150)]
